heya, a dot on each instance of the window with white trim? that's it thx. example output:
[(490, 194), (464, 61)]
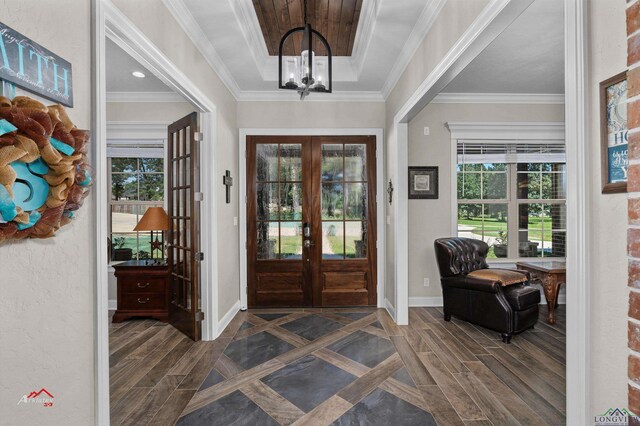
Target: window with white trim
[(513, 197), (137, 182)]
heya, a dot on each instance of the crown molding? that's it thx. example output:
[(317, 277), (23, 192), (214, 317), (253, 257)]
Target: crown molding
[(364, 34), (287, 96), (190, 26), (418, 33), (250, 26), (499, 98), (548, 131), (144, 97)]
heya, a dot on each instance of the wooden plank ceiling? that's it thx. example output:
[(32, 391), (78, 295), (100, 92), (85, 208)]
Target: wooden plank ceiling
[(337, 20)]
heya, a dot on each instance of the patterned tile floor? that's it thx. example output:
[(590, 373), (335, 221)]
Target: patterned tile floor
[(340, 367)]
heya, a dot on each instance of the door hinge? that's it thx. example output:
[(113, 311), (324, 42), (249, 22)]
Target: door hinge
[(198, 196), (245, 199), (198, 136), (199, 316), (200, 256)]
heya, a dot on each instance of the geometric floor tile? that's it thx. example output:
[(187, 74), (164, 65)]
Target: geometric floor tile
[(245, 325), (312, 326), (364, 348), (382, 408), (308, 382), (403, 376), (256, 349), (355, 315), (233, 409), (212, 379), (377, 325), (270, 317)]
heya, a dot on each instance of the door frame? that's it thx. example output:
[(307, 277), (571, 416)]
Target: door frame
[(496, 17), (109, 21), (380, 194)]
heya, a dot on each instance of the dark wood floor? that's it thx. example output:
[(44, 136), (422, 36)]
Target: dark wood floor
[(451, 373)]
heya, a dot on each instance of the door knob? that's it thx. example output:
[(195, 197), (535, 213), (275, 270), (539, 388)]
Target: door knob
[(308, 243)]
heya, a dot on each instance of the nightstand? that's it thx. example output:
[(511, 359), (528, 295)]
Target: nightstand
[(143, 290)]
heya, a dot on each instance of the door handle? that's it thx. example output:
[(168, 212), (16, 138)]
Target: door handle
[(308, 243)]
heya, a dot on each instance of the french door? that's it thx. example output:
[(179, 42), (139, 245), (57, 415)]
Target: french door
[(311, 221), (184, 225)]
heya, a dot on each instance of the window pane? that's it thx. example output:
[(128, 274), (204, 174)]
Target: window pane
[(494, 186), (129, 165), (356, 201), (290, 201), (124, 186), (124, 217), (332, 162), (268, 247), (469, 186), (267, 205), (144, 246), (290, 163), (291, 240), (332, 240), (332, 201), (470, 220), (356, 240), (557, 246), (123, 246), (152, 165), (355, 162), (151, 187), (494, 167), (486, 222), (267, 162)]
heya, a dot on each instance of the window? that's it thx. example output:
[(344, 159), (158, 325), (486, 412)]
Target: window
[(136, 185), (523, 199)]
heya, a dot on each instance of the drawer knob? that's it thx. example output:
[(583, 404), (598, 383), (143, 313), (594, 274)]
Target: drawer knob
[(143, 285), (143, 301)]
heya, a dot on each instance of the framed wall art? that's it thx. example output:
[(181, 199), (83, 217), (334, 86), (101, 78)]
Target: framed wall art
[(614, 137), (423, 182)]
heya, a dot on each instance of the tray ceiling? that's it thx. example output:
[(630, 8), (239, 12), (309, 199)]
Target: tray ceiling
[(336, 20)]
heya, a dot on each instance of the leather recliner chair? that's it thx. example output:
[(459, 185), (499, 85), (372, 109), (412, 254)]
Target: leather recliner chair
[(507, 309)]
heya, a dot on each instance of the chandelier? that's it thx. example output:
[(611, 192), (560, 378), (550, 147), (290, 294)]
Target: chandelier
[(311, 71)]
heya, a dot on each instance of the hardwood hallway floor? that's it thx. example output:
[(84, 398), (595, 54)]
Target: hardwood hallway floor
[(342, 367)]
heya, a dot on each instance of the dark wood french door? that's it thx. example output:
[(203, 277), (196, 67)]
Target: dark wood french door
[(184, 219), (311, 221)]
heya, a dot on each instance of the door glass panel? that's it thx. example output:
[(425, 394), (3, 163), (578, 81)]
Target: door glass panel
[(267, 205), (355, 240), (355, 195), (355, 161), (290, 201), (332, 201), (267, 162), (332, 163), (332, 240), (291, 240), (268, 240), (290, 163)]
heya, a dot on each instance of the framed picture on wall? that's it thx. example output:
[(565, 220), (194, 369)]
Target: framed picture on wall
[(614, 137), (423, 182)]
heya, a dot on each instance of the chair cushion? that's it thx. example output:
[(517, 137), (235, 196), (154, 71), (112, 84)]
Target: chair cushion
[(503, 276), (521, 297)]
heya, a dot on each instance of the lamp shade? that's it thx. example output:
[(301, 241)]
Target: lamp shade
[(154, 219)]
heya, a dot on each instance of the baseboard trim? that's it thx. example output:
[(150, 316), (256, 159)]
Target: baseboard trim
[(226, 319), (389, 307), (113, 304)]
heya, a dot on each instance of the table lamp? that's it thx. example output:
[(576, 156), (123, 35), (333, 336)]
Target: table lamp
[(154, 219)]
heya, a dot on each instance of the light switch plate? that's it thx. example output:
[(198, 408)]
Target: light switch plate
[(426, 131), (235, 221)]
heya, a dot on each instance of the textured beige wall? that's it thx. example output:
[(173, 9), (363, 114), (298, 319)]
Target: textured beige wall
[(608, 222), (310, 114), (454, 19), (157, 23), (148, 111), (431, 219), (46, 308)]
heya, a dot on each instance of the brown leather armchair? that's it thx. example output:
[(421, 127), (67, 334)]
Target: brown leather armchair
[(506, 309)]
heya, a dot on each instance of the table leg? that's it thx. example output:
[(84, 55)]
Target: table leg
[(550, 285)]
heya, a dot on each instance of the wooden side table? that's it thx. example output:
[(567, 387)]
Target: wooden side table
[(143, 290), (551, 274)]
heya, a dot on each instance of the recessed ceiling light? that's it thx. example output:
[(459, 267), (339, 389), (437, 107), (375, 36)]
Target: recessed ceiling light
[(138, 74)]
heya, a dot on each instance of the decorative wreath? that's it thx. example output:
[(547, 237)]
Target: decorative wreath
[(44, 171)]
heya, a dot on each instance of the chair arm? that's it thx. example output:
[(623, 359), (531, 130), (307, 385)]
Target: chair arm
[(525, 273), (469, 283)]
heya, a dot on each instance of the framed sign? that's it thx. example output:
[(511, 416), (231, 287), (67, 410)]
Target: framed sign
[(30, 66), (614, 136), (423, 182)]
